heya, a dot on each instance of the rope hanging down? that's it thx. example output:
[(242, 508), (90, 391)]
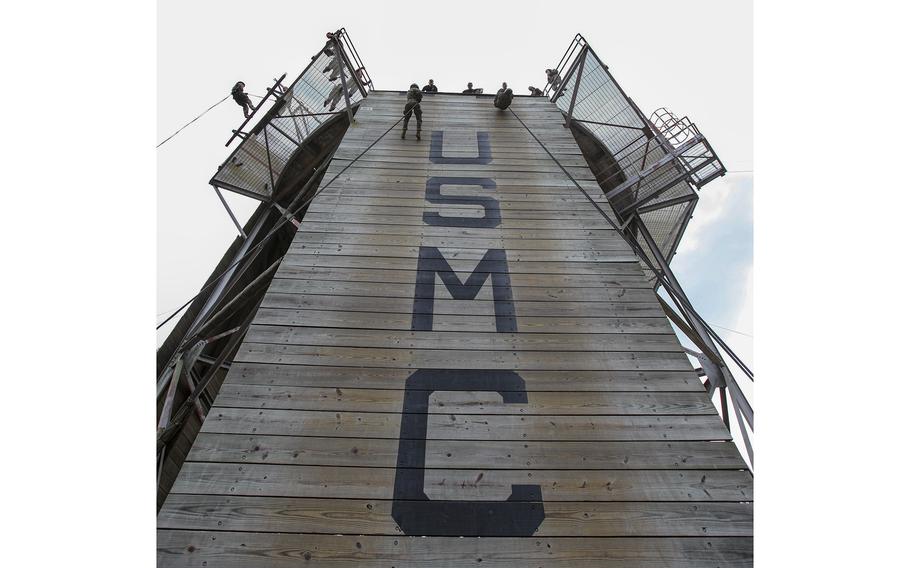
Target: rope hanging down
[(192, 121), (280, 224)]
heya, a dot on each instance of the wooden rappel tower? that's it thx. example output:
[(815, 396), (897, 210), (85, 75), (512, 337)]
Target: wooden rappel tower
[(451, 352)]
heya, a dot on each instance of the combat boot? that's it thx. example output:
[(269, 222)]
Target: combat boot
[(403, 132), (418, 135)]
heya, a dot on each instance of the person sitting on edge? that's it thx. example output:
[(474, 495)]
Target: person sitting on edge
[(413, 105), (503, 97), (242, 98), (472, 91), (535, 92), (430, 88)]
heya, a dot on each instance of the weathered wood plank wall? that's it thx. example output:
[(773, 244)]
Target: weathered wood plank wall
[(459, 349)]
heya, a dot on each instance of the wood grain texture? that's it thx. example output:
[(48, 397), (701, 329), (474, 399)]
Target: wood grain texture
[(466, 427), (390, 378), (268, 550), (443, 402), (464, 484), (296, 462), (471, 454), (373, 517)]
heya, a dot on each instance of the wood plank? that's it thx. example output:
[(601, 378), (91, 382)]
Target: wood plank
[(453, 241), (445, 307), (617, 279), (446, 402), (471, 454), (448, 340), (374, 517), (296, 462), (456, 264), (395, 191), (460, 358), (340, 185), (265, 550), (406, 154), (506, 168), (391, 378), (462, 323), (640, 294), (312, 226), (452, 210), (555, 203), (547, 174), (509, 222), (514, 256), (464, 484), (467, 427)]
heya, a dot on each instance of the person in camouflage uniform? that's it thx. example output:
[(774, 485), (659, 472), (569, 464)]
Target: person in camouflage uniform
[(242, 98), (503, 97), (413, 106)]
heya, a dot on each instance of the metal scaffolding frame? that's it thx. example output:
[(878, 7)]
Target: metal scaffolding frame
[(650, 169), (194, 359), (256, 165)]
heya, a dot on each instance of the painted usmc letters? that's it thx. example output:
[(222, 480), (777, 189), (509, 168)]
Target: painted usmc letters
[(416, 514)]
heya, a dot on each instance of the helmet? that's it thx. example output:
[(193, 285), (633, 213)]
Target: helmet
[(414, 86)]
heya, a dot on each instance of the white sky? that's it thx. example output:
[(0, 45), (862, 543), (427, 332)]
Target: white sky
[(695, 58), (77, 314)]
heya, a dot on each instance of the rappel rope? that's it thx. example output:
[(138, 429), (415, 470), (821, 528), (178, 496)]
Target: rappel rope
[(286, 219), (192, 121), (636, 248)]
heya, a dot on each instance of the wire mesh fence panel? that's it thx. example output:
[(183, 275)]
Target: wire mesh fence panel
[(656, 161), (256, 165)]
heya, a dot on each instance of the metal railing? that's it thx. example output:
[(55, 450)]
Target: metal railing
[(649, 170), (655, 176), (334, 82)]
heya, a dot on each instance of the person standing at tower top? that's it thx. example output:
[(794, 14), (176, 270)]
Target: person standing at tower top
[(430, 87), (413, 106), (472, 91), (242, 98), (503, 97)]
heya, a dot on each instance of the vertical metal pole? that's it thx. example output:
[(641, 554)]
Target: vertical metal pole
[(268, 155), (168, 406), (723, 406), (218, 290), (189, 383), (581, 68), (745, 434), (231, 213), (677, 289)]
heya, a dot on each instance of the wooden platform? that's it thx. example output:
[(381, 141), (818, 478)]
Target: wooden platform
[(459, 363)]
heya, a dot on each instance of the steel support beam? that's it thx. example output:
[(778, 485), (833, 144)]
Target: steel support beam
[(344, 85), (697, 329), (165, 434), (231, 213), (244, 294), (667, 203), (581, 68), (215, 295)]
